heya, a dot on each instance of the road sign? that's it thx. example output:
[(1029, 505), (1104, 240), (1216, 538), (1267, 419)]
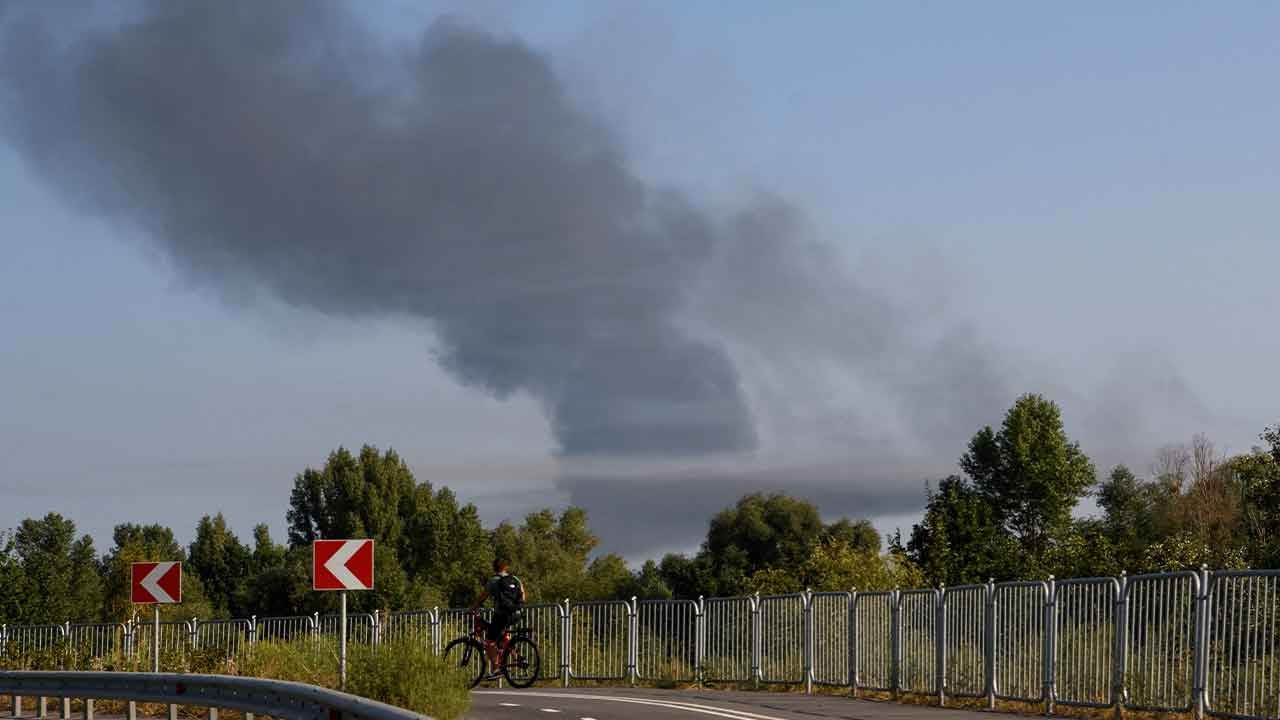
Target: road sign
[(342, 565), (156, 583)]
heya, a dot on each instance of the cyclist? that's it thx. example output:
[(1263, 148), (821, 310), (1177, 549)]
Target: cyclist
[(508, 595)]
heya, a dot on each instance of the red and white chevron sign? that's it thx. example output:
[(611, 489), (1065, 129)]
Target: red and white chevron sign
[(342, 565), (156, 583)]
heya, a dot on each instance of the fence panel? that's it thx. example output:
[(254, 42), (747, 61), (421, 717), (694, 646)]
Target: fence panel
[(831, 637), (598, 640), (97, 640), (667, 633), (417, 626), (727, 641), (781, 638), (965, 610), (1160, 642), (547, 623), (918, 619), (226, 635), (1019, 615), (1084, 662), (873, 647), (456, 622), (286, 629), (360, 627), (175, 641), (25, 639), (1243, 678)]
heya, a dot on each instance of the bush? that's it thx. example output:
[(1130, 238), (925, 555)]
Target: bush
[(401, 672)]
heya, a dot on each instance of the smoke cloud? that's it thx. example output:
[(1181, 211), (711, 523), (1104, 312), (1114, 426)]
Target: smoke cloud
[(263, 148), (455, 183)]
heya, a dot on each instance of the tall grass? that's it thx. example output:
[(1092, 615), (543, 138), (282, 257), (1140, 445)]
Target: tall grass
[(399, 672)]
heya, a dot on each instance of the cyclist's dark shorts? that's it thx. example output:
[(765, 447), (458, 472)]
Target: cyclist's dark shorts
[(497, 625)]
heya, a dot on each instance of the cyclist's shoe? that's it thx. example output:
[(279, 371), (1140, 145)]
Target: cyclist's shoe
[(493, 675)]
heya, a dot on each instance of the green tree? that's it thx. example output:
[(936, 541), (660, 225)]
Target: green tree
[(759, 531), (959, 540), (833, 565), (549, 554), (687, 578), (222, 563), (1129, 516), (278, 578), (60, 569), (148, 543), (14, 591), (609, 578), (364, 496), (649, 584), (444, 546), (1029, 473), (1257, 476), (1185, 551), (860, 535)]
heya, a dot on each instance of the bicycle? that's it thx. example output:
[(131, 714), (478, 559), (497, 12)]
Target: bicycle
[(518, 655)]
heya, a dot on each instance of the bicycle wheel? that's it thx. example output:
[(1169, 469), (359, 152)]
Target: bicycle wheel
[(468, 655), (521, 662)]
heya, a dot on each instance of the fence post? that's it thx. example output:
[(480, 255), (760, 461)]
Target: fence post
[(1118, 691), (699, 639), (806, 625), (1050, 663), (895, 644), (853, 641), (193, 634), (434, 625), (940, 622), (989, 661), (253, 630), (633, 639), (755, 641), (1201, 653), (375, 632), (566, 638)]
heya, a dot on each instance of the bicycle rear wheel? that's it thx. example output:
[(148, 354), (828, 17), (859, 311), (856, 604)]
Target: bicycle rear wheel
[(521, 662), (467, 654)]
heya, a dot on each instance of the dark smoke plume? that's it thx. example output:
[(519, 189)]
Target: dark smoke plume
[(276, 146)]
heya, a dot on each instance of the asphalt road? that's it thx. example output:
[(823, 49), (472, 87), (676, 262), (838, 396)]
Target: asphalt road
[(629, 704)]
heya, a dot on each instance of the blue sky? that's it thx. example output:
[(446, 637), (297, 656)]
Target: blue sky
[(1091, 188)]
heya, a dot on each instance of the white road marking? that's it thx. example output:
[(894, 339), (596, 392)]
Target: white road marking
[(509, 704), (549, 710), (586, 718), (669, 704)]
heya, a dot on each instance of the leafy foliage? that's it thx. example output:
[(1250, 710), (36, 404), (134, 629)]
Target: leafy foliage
[(1009, 515)]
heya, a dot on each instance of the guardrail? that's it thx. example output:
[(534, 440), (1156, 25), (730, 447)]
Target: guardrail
[(253, 696), (1202, 642)]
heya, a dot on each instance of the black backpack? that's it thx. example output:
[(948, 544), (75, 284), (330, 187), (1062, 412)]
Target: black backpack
[(507, 599)]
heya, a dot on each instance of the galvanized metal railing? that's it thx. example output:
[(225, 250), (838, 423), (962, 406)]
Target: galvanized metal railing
[(1201, 642), (253, 696)]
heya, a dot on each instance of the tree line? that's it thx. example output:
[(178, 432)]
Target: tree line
[(1007, 515)]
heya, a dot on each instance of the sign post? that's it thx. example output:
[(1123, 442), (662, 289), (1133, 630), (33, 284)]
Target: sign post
[(342, 565), (155, 583)]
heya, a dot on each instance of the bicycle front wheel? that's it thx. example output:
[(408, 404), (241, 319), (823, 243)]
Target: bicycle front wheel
[(521, 662), (467, 654)]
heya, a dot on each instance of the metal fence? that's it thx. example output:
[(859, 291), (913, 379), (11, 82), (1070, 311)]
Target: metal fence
[(1206, 642)]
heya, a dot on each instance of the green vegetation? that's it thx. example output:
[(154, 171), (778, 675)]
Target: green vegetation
[(399, 672), (1006, 515)]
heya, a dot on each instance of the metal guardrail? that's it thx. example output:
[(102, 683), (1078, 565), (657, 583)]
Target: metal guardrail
[(1202, 642), (274, 698)]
